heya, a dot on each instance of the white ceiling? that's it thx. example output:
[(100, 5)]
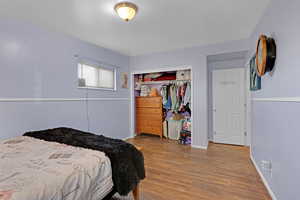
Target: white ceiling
[(160, 25)]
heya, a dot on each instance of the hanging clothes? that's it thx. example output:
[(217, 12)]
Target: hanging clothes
[(164, 90), (174, 98), (169, 104), (182, 89), (164, 94), (187, 96)]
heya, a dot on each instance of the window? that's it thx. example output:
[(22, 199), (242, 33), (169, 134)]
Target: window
[(96, 77)]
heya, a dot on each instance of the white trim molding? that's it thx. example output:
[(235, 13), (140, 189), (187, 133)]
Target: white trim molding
[(263, 178), (59, 99), (278, 99), (199, 147), (127, 138), (161, 69)]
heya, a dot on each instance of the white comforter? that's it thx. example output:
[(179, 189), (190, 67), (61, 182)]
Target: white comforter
[(31, 169)]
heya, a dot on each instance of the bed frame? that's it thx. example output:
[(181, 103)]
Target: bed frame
[(135, 191)]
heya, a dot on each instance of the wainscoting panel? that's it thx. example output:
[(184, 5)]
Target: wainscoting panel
[(275, 138), (18, 115)]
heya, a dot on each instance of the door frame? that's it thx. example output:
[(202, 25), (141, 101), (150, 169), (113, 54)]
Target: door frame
[(247, 103), (132, 95)]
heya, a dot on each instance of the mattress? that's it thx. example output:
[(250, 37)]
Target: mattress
[(32, 169)]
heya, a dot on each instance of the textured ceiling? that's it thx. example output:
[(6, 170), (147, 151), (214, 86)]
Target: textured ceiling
[(160, 25)]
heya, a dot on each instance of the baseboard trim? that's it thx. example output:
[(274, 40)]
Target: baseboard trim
[(278, 99), (127, 138), (60, 99), (263, 178), (199, 147)]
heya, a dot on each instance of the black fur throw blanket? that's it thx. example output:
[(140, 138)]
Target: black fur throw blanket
[(127, 162)]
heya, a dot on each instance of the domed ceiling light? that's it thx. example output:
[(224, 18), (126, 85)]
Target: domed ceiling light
[(126, 10)]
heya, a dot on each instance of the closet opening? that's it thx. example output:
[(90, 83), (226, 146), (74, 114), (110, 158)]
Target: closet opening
[(163, 105)]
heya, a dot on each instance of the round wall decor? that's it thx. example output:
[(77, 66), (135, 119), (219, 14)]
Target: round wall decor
[(265, 55)]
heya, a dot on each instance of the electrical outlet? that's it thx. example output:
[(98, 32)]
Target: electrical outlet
[(266, 165)]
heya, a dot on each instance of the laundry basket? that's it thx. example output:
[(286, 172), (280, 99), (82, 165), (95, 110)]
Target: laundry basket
[(174, 128), (165, 128)]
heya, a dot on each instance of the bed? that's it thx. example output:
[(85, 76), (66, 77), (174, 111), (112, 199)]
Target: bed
[(35, 169)]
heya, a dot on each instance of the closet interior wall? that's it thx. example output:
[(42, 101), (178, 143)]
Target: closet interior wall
[(163, 104)]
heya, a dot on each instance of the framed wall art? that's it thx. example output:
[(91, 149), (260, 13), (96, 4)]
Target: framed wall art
[(255, 80), (124, 80)]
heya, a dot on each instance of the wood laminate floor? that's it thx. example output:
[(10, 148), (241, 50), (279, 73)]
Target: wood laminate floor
[(178, 172)]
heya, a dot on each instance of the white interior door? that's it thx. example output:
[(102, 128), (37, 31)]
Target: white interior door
[(229, 106)]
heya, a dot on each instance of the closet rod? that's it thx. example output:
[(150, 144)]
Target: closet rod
[(162, 82)]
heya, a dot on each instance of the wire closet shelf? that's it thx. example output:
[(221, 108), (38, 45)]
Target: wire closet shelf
[(163, 82)]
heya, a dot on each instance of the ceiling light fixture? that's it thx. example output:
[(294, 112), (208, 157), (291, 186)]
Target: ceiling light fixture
[(126, 10)]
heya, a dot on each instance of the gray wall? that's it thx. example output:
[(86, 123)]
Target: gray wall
[(40, 63), (275, 124), (197, 59), (221, 61), (37, 63)]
